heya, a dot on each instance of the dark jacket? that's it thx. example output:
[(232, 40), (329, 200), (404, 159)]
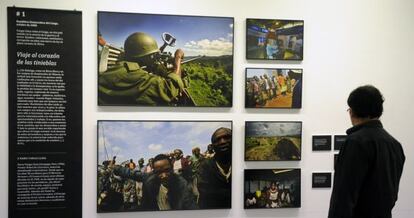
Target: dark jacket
[(179, 194), (367, 173), (129, 84), (215, 190)]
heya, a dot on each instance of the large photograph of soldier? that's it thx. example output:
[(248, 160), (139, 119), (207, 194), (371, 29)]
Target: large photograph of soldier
[(165, 60), (163, 165), (274, 39), (272, 188), (273, 140), (273, 88)]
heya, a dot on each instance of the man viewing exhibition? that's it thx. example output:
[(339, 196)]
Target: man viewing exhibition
[(370, 162)]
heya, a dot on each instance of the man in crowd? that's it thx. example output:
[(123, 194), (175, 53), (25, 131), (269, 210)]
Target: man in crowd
[(131, 165), (215, 173), (273, 196), (162, 189), (140, 167), (195, 161), (180, 163), (149, 167)]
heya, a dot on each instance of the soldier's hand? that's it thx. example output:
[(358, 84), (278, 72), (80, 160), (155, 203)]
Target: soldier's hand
[(179, 54)]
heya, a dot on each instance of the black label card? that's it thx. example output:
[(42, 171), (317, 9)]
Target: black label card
[(321, 143), (339, 141), (321, 180), (45, 113)]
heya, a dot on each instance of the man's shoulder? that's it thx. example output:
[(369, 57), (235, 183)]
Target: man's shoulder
[(207, 162), (125, 66), (372, 138), (151, 178), (179, 181), (360, 137), (206, 165), (369, 133)]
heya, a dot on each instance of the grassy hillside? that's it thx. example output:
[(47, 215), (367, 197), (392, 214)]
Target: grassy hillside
[(211, 80), (262, 148)]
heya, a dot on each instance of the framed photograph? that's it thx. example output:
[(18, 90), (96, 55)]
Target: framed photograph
[(163, 165), (273, 88), (165, 60), (339, 141), (273, 140), (321, 143), (274, 39), (272, 188), (321, 180)]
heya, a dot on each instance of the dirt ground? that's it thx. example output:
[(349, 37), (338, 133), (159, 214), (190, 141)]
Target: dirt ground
[(280, 101)]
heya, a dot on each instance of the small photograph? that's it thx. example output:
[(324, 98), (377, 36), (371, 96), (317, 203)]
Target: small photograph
[(164, 60), (273, 140), (321, 180), (272, 188), (163, 165), (273, 88), (273, 39), (321, 143)]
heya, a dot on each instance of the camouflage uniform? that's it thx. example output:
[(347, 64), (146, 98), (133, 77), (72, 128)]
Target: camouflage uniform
[(127, 83)]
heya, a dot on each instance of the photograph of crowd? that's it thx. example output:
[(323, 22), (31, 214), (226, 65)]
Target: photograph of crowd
[(165, 60), (163, 165), (273, 88), (272, 188), (273, 140), (274, 39)]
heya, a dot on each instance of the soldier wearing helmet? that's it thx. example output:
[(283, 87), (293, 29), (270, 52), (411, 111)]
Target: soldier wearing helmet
[(138, 79)]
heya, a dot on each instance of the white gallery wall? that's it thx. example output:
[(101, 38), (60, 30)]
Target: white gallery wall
[(347, 43)]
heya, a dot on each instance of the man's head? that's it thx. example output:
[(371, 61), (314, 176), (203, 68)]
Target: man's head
[(163, 168), (210, 149), (221, 141), (365, 103), (273, 185), (196, 151), (141, 161), (178, 154), (139, 47)]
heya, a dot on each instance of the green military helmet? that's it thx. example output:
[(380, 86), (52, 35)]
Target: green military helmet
[(139, 44)]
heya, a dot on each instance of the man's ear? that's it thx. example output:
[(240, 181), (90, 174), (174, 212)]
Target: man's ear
[(352, 116), (351, 113)]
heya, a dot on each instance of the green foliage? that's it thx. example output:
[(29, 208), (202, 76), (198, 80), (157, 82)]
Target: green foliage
[(211, 80), (262, 148)]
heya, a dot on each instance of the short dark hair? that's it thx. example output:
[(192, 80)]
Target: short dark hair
[(366, 102), (226, 130), (161, 157)]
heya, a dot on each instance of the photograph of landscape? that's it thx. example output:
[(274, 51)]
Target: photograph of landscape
[(273, 140)]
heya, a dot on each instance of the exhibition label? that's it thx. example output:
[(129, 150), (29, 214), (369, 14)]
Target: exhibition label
[(45, 113)]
